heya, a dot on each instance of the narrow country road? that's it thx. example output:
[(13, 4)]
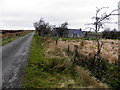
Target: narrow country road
[(14, 56)]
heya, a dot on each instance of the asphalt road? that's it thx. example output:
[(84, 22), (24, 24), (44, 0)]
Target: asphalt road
[(13, 60)]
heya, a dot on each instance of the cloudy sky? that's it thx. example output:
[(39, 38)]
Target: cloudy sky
[(21, 14)]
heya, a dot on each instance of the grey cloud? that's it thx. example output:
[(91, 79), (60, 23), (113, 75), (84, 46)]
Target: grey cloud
[(23, 13)]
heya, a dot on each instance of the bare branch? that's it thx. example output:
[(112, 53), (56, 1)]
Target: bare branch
[(106, 16), (114, 10), (111, 22), (99, 9), (115, 14)]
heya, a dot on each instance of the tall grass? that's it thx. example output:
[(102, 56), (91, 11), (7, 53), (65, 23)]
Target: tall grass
[(45, 72), (102, 70)]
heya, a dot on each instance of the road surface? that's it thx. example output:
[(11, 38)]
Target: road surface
[(13, 60)]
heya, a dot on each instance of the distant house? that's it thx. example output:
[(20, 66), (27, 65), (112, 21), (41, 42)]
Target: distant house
[(70, 33), (74, 33)]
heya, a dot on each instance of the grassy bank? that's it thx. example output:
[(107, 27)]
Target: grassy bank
[(46, 72), (12, 38)]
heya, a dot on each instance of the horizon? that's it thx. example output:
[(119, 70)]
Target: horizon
[(68, 29)]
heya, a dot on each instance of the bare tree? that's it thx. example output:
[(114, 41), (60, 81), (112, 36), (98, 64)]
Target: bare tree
[(39, 26), (100, 21), (62, 29), (42, 27)]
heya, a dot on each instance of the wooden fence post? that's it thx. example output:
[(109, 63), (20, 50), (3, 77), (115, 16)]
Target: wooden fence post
[(56, 41), (68, 50), (75, 52)]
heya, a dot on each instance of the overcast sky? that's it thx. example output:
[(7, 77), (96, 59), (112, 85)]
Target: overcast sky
[(21, 14)]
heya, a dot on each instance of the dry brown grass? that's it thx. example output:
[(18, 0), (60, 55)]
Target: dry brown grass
[(52, 50), (13, 34), (109, 49), (83, 79)]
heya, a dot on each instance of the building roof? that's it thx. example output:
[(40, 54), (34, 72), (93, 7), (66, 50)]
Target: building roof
[(74, 31), (71, 31)]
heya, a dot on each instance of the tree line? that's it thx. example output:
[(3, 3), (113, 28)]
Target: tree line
[(45, 29), (111, 34)]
